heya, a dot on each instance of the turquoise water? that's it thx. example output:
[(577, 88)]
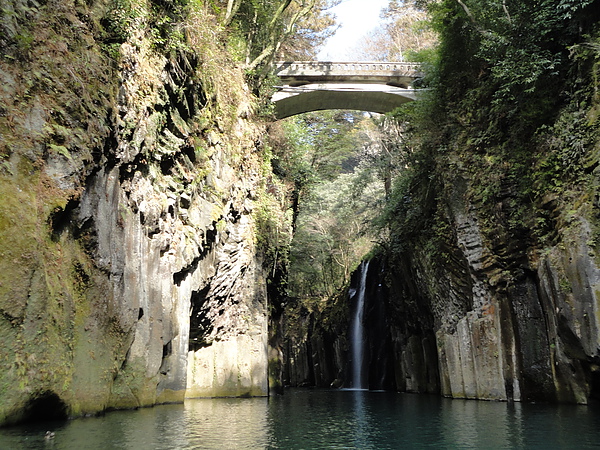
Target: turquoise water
[(323, 419)]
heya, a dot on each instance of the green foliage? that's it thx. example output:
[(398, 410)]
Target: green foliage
[(273, 221), (237, 46), (511, 54), (266, 29), (332, 236), (333, 149), (166, 18), (118, 24), (314, 148), (405, 31), (165, 21), (62, 150), (16, 34), (323, 159), (410, 208), (511, 112)]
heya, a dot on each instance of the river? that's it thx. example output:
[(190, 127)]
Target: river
[(322, 419)]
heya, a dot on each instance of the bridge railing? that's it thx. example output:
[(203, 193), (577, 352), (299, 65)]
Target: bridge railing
[(307, 68)]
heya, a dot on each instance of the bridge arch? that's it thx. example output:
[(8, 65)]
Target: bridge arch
[(318, 99), (315, 86)]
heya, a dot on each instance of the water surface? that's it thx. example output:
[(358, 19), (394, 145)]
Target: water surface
[(323, 419)]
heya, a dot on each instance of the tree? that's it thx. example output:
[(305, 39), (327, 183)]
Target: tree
[(323, 156), (266, 25), (310, 33), (387, 150), (331, 237), (406, 30), (311, 149)]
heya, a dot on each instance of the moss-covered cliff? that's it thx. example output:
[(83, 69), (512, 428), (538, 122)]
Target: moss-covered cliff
[(131, 178), (490, 274), (496, 226)]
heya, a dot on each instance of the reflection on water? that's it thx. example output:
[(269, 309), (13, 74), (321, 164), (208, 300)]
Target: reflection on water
[(203, 423), (311, 419)]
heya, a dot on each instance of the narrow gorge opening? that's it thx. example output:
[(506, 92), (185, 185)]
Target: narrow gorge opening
[(338, 318), (170, 230)]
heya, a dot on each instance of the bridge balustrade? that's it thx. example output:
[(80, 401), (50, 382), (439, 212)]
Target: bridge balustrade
[(332, 68)]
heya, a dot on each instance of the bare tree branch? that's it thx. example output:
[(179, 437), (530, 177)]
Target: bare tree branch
[(232, 8), (467, 10), (282, 7), (276, 39), (506, 11), (472, 18)]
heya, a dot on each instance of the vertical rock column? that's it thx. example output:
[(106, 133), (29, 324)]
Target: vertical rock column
[(178, 230), (228, 347)]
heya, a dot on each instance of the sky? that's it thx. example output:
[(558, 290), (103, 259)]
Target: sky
[(357, 17)]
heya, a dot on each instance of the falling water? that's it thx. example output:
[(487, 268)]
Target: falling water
[(357, 338)]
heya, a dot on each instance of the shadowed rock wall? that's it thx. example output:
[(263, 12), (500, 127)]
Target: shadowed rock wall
[(490, 313), (510, 322), (464, 328)]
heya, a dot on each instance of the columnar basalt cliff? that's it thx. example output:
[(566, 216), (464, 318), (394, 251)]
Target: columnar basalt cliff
[(521, 327), (128, 176), (496, 234)]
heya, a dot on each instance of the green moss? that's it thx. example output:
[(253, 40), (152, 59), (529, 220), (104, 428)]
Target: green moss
[(46, 315), (132, 388), (170, 396), (19, 243), (55, 331)]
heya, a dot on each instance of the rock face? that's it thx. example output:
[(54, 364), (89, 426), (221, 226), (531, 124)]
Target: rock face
[(127, 215), (496, 320), (465, 329), (489, 265), (525, 333), (493, 291), (398, 342)]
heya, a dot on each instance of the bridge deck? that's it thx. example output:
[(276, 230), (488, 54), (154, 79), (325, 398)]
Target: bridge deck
[(297, 73)]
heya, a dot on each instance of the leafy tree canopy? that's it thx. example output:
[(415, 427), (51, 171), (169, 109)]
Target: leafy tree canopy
[(406, 31), (279, 28)]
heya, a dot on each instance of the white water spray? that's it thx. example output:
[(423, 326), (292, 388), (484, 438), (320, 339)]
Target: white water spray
[(357, 338)]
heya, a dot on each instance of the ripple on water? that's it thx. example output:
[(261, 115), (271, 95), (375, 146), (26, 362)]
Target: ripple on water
[(322, 419)]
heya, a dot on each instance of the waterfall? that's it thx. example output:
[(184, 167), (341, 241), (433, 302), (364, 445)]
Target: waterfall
[(357, 333)]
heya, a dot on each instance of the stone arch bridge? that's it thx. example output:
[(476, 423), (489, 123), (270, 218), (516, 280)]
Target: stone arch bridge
[(365, 86)]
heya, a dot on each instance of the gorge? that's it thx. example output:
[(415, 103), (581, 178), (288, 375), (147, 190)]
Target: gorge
[(489, 274), (147, 212)]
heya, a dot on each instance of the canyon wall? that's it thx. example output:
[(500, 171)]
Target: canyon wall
[(130, 168), (399, 343), (513, 321), (502, 321), (488, 264)]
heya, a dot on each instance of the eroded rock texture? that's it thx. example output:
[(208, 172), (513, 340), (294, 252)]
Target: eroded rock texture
[(512, 333), (499, 319), (487, 323), (127, 190)]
